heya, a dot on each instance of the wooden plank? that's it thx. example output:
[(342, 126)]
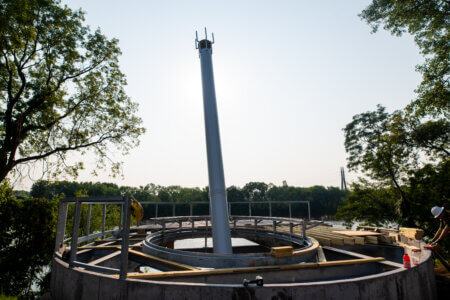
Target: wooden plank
[(322, 241), (252, 269), (107, 247), (161, 260), (321, 255), (412, 233), (385, 239), (359, 255), (371, 240), (334, 240), (357, 233), (333, 231), (283, 251), (347, 240), (104, 258)]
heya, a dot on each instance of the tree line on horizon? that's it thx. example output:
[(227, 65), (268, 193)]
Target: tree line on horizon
[(324, 201)]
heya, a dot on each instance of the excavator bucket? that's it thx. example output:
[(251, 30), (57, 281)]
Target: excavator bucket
[(136, 210)]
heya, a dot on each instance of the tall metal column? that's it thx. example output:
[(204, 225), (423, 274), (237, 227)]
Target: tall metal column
[(217, 193)]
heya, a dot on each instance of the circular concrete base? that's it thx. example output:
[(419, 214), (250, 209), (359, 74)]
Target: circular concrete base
[(304, 249)]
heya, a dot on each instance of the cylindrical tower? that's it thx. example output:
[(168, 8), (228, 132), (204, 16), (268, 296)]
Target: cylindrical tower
[(217, 193)]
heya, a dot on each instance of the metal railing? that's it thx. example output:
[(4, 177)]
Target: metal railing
[(125, 219), (249, 203), (255, 220)]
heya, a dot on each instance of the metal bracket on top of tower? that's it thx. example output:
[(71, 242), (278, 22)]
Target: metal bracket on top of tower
[(204, 43)]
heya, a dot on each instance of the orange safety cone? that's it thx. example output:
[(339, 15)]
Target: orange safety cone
[(406, 261)]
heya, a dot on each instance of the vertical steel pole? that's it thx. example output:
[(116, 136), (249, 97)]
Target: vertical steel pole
[(173, 209), (270, 208), (303, 229), (61, 226), (249, 209), (125, 239), (75, 229), (121, 216), (103, 221), (190, 209), (217, 192), (309, 212), (88, 220), (290, 211)]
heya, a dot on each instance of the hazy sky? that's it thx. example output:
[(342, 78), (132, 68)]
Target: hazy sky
[(289, 76)]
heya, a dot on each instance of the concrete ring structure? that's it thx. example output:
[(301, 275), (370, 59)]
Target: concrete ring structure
[(305, 248), (399, 283), (109, 268)]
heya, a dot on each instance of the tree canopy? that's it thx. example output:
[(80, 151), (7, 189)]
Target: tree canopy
[(61, 90), (404, 155)]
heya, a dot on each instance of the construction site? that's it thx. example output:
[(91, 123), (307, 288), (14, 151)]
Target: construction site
[(226, 256), (282, 258)]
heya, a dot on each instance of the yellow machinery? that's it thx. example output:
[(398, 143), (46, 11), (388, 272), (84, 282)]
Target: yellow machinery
[(136, 210)]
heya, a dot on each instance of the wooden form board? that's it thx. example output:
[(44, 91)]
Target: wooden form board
[(161, 260), (250, 269)]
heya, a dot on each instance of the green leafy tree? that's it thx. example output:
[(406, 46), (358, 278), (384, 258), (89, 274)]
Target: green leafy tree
[(61, 90), (406, 151), (378, 149), (26, 240), (369, 204), (427, 21)]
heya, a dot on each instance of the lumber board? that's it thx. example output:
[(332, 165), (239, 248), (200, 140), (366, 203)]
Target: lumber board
[(335, 241), (250, 269), (161, 260), (385, 239), (412, 233), (345, 239), (322, 241), (358, 233), (371, 240)]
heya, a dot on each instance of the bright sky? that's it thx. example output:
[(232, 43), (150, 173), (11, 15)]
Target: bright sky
[(289, 76)]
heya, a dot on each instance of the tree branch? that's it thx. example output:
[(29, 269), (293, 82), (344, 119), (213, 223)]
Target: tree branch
[(61, 149)]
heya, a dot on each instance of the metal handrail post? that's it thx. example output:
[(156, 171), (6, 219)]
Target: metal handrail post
[(103, 221), (270, 208), (309, 211), (249, 209), (290, 210), (88, 220), (121, 216), (75, 229), (125, 239), (61, 225), (190, 209), (173, 209), (303, 229)]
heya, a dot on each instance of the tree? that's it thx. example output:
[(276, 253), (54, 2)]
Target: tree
[(27, 230), (408, 150), (377, 146), (427, 22), (370, 204), (61, 90)]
